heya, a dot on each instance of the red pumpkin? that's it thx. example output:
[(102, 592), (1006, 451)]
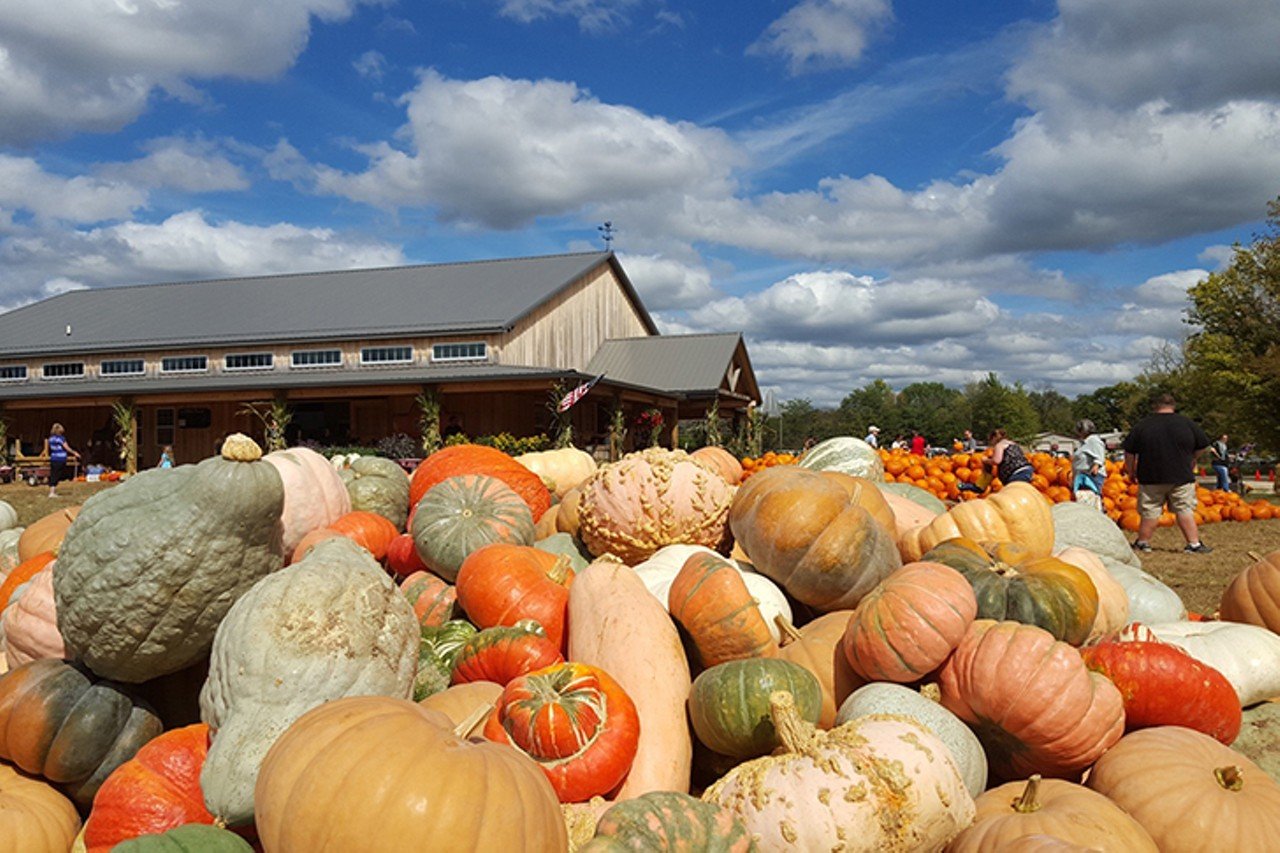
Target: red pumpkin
[(1164, 686), (501, 584), (503, 654), (576, 722), (433, 599), (155, 791), (369, 530), (402, 557), (905, 627), (477, 459), (1030, 700)]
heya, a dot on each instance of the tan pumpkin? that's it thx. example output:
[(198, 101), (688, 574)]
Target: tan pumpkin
[(464, 702), (374, 773), (1191, 793), (724, 462), (907, 515), (46, 534), (816, 647), (1253, 596), (1044, 844), (810, 532), (710, 600), (1053, 807), (880, 783), (616, 625), (561, 469), (567, 520), (34, 816), (1113, 603), (31, 622), (656, 497), (1017, 513)]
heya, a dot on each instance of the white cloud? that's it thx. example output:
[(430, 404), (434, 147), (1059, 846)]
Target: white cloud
[(89, 65), (502, 152), (189, 165), (592, 15), (371, 65), (1220, 255), (1170, 289), (666, 283), (24, 185), (817, 34)]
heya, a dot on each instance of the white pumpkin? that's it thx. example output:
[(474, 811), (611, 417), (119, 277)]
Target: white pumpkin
[(659, 572), (1248, 656), (886, 698), (1150, 600), (8, 516), (846, 454), (330, 626), (1085, 527), (881, 783), (9, 550)]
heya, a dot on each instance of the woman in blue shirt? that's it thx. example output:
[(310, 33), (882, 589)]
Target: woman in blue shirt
[(57, 449)]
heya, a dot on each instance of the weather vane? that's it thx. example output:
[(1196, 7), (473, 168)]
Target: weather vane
[(606, 233)]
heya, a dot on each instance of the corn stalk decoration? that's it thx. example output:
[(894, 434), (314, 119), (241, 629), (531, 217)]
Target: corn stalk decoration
[(4, 442), (617, 434), (561, 421), (124, 416), (429, 421), (712, 425), (275, 416)]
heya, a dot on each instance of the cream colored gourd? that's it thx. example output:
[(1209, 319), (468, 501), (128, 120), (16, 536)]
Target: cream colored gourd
[(616, 626), (1085, 527), (834, 790), (659, 572), (1113, 602), (314, 494), (907, 516), (1017, 513), (561, 469), (9, 550), (30, 622), (330, 626)]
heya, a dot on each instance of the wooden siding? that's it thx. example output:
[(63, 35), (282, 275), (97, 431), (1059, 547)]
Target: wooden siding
[(566, 331)]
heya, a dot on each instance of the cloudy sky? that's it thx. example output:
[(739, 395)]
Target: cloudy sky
[(867, 189)]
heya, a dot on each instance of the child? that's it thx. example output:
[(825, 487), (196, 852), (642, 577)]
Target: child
[(166, 457)]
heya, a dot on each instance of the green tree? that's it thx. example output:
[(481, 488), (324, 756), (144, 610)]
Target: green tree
[(1106, 406), (995, 404), (1053, 409), (874, 404), (940, 413), (1232, 360)]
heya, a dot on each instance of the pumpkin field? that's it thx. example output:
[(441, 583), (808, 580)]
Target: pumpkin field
[(673, 651)]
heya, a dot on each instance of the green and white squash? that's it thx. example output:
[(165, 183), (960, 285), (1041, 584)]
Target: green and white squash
[(9, 550), (188, 838), (1083, 526), (563, 543), (438, 650), (463, 514), (330, 626), (151, 567), (667, 822), (885, 698), (846, 454), (378, 485), (8, 516)]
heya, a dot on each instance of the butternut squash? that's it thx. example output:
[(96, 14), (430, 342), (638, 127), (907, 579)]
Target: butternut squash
[(615, 624)]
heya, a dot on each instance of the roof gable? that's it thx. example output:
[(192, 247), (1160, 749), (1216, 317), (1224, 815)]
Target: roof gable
[(453, 298), (702, 363)]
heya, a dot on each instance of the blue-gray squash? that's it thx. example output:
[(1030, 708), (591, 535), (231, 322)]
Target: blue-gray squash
[(378, 485), (329, 626), (151, 566), (189, 838)]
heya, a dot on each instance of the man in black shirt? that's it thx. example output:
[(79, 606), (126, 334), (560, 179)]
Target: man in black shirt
[(1159, 454)]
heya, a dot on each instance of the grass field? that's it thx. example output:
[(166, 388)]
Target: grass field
[(1198, 579)]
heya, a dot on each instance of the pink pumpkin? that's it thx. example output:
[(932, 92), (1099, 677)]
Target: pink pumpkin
[(907, 515), (31, 622), (646, 500), (314, 494), (1031, 700), (905, 627)]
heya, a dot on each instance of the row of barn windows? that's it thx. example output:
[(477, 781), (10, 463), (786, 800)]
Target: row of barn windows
[(470, 351)]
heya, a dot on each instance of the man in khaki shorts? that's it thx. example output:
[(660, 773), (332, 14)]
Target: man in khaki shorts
[(1160, 454)]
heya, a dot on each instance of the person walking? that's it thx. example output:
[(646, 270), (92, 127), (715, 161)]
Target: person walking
[(1221, 462), (57, 449), (1160, 455), (1088, 466), (919, 447), (873, 436)]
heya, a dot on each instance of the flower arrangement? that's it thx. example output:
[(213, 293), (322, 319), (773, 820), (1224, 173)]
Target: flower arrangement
[(648, 426)]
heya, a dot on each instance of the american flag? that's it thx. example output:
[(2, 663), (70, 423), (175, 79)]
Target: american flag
[(567, 401)]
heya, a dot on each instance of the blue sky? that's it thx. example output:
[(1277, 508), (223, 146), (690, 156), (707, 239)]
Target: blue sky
[(867, 188)]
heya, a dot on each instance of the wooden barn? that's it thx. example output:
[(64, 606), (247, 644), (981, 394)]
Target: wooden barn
[(349, 352)]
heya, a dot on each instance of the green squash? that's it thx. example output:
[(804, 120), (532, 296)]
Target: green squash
[(331, 625), (150, 567), (729, 704), (462, 514), (437, 651), (379, 485), (665, 822), (189, 838), (563, 543), (916, 494), (846, 454)]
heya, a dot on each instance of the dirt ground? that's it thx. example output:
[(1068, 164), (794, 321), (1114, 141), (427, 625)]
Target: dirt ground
[(1200, 580)]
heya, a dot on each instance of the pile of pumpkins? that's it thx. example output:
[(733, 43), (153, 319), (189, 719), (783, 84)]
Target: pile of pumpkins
[(542, 654)]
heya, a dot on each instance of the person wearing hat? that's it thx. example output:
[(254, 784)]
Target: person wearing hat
[(872, 432)]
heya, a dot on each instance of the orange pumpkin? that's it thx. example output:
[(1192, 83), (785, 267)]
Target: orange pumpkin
[(432, 598), (1253, 596), (46, 534), (478, 459), (369, 530), (817, 648), (34, 817), (22, 573), (724, 463), (501, 584), (711, 602)]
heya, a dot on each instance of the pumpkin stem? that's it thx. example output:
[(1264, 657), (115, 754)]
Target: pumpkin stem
[(794, 732), (1029, 801), (238, 447), (1255, 556), (932, 692), (469, 722), (1230, 777), (790, 633), (561, 570)]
